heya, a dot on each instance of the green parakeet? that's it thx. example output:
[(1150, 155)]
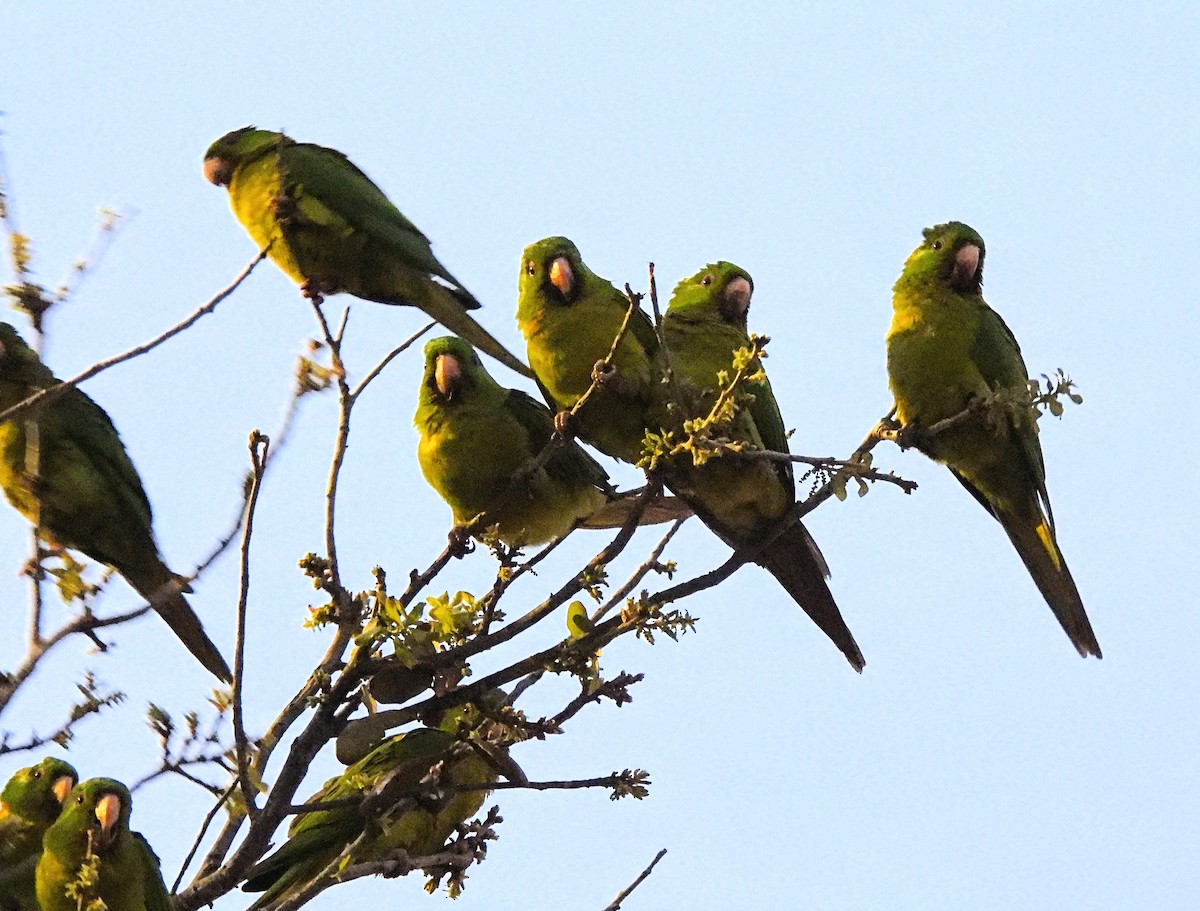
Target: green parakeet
[(94, 826), (331, 230), (741, 498), (30, 802), (89, 496), (476, 436), (383, 776), (569, 317), (946, 348)]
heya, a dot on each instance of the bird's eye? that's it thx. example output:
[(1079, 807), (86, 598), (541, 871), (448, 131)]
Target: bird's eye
[(530, 268), (37, 774), (79, 799), (707, 280), (937, 245)]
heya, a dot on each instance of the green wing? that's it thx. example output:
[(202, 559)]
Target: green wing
[(90, 429), (338, 184), (154, 889), (315, 838), (771, 430), (997, 357), (569, 464)]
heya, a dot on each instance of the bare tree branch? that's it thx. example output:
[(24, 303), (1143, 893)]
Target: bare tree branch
[(624, 894), (259, 449), (53, 392)]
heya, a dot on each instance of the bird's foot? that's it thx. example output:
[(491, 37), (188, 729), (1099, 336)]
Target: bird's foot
[(607, 376), (285, 210), (315, 289), (886, 429), (909, 435), (564, 424), (604, 373), (459, 542)]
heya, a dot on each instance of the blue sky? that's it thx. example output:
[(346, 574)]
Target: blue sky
[(977, 762)]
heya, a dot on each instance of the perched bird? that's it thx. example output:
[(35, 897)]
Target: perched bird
[(95, 822), (946, 349), (386, 780), (477, 436), (330, 229), (570, 317), (30, 802), (87, 494), (740, 497)]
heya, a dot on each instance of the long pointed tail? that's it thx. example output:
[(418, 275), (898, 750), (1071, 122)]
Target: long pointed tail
[(616, 511), (791, 560), (187, 627), (151, 584), (448, 310), (1043, 559)]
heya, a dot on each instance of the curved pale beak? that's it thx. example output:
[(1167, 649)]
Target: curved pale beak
[(108, 811), (62, 787), (737, 295), (562, 276), (966, 265), (446, 374), (217, 171)]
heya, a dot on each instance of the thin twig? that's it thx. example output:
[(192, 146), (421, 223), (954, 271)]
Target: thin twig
[(259, 449), (852, 467), (180, 769), (279, 440), (660, 330), (106, 231), (571, 784), (345, 405), (399, 349), (522, 685), (53, 392), (571, 588), (208, 819), (616, 689), (638, 574), (82, 623), (597, 382), (93, 701), (616, 902), (492, 598)]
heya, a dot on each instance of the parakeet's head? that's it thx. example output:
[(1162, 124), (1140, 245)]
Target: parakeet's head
[(453, 372), (37, 793), (952, 254), (98, 807), (234, 149), (720, 289), (15, 355), (552, 271)]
